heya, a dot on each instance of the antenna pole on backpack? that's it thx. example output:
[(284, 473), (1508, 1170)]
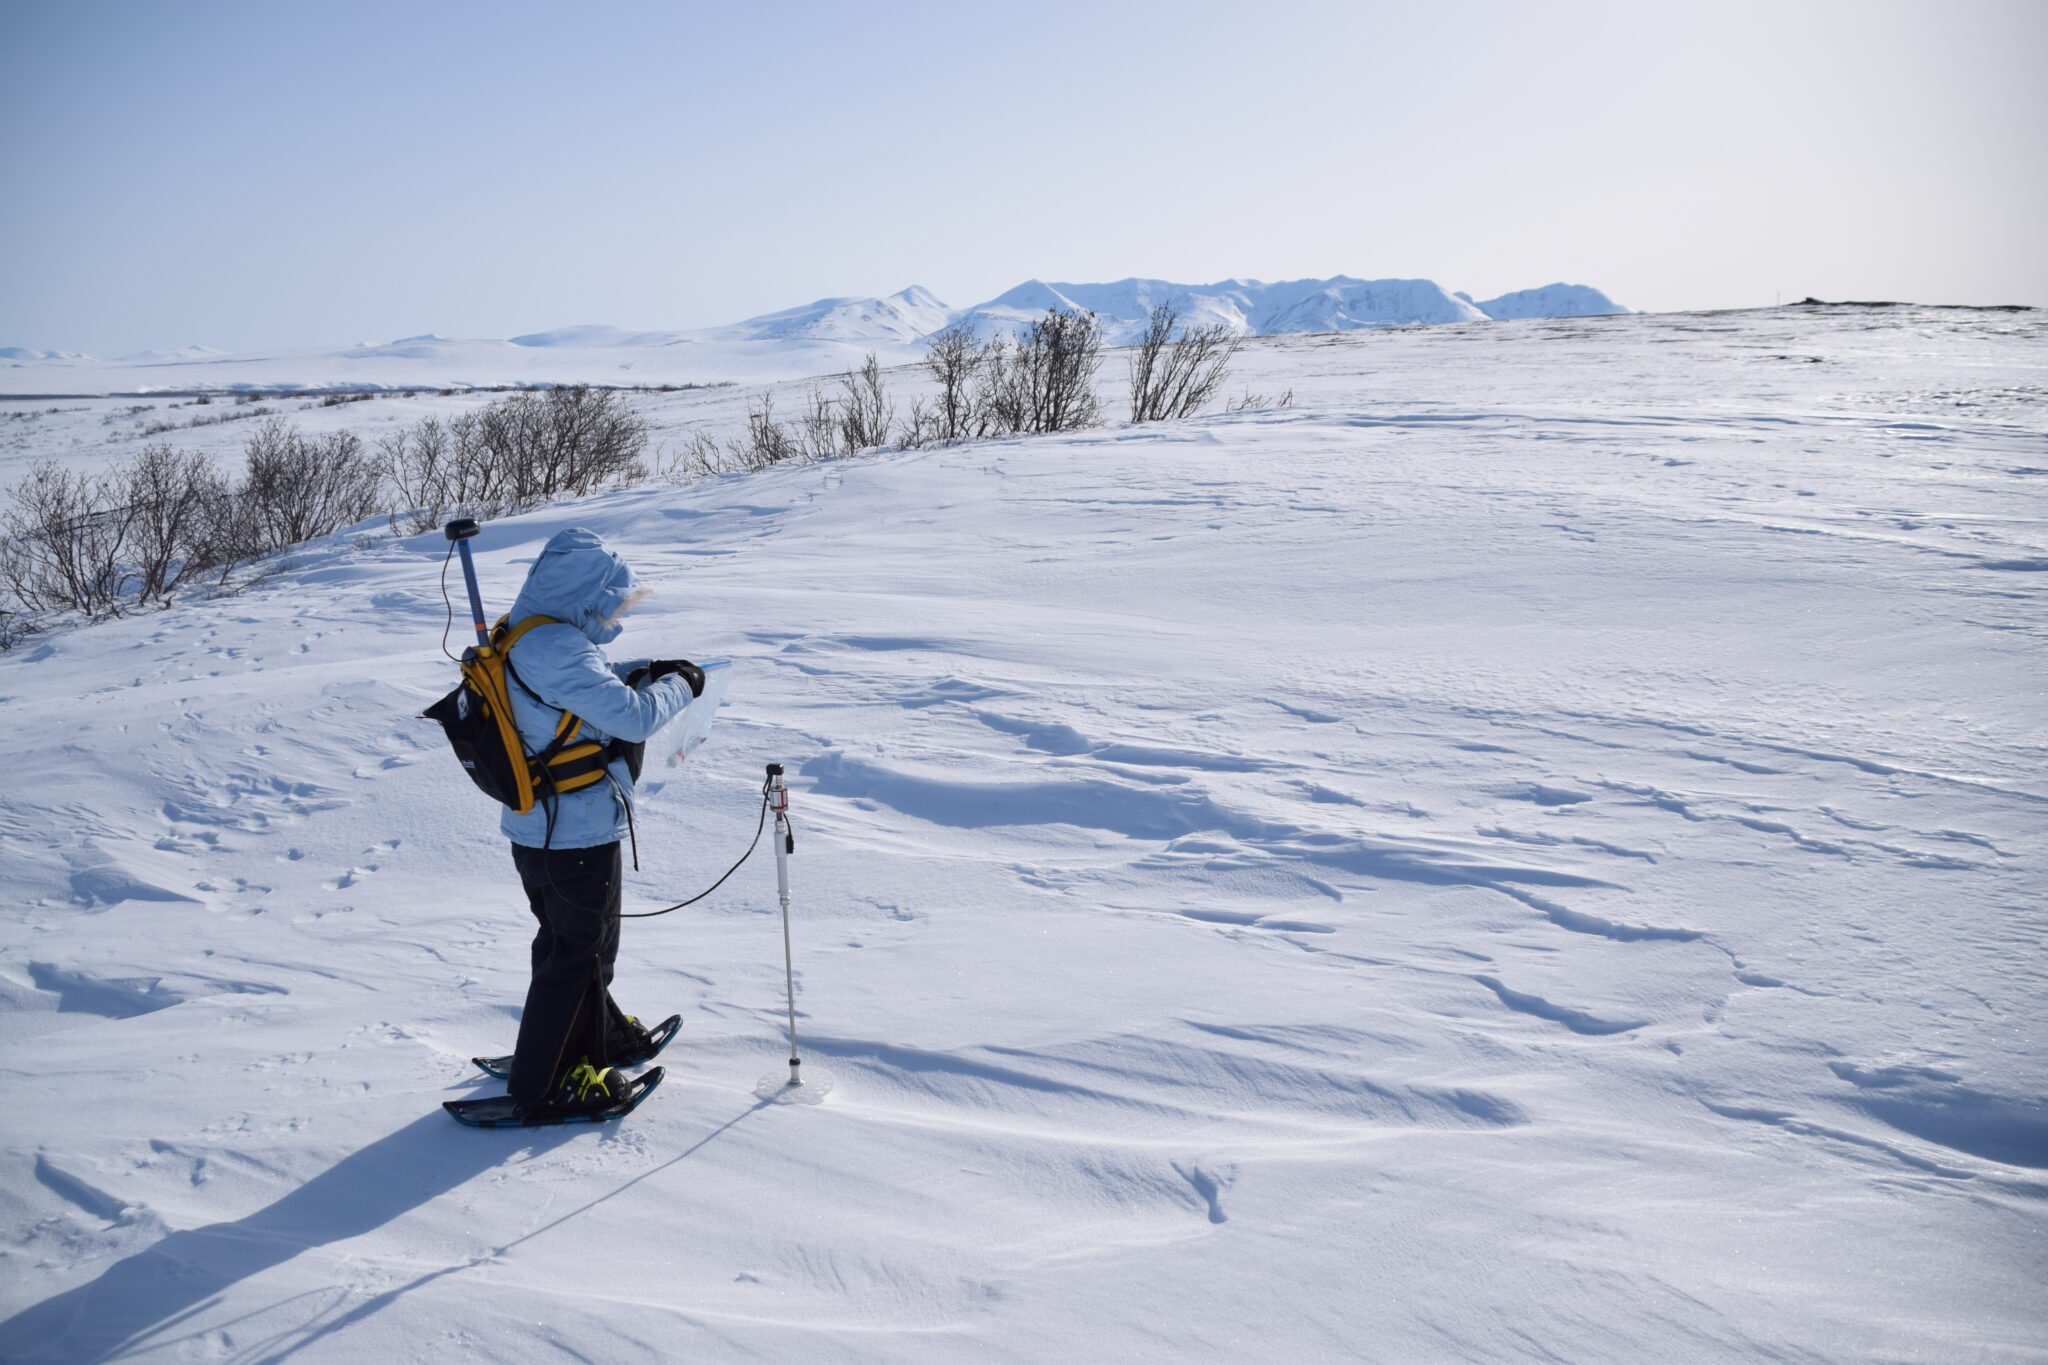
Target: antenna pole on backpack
[(460, 531)]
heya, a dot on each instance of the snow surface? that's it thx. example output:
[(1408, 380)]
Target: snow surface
[(816, 338), (1534, 852), (1551, 301)]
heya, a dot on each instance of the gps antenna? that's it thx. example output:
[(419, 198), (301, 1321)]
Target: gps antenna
[(462, 530)]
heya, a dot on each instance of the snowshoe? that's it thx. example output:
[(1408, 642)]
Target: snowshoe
[(590, 1095), (657, 1038), (626, 1036)]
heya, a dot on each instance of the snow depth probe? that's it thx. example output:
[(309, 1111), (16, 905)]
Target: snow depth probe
[(773, 1088)]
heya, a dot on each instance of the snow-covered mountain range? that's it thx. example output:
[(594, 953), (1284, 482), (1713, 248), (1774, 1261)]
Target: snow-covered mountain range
[(1249, 307), (814, 338)]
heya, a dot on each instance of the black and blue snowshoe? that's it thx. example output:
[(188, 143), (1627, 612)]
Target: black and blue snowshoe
[(655, 1040), (589, 1095)]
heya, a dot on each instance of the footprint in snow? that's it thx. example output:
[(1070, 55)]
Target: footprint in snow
[(1208, 1185)]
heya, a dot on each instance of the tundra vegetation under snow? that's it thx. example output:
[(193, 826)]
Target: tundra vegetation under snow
[(1534, 850)]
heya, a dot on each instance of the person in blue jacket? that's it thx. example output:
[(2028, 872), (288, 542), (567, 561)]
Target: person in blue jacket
[(567, 846)]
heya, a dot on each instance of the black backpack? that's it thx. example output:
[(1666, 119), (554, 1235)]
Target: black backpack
[(477, 717)]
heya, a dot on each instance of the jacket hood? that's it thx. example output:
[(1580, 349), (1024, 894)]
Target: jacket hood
[(577, 581)]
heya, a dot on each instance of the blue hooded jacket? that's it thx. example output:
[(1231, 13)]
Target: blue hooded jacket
[(583, 586)]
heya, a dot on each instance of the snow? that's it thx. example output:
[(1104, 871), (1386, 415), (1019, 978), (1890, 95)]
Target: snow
[(1533, 852), (903, 316), (1247, 307), (172, 356), (816, 338), (31, 353), (1551, 301)]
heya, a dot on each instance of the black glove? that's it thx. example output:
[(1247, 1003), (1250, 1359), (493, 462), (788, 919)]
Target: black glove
[(657, 669)]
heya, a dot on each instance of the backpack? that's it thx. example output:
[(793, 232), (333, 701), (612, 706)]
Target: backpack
[(477, 717)]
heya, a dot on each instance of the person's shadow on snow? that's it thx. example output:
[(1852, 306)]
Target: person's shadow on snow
[(157, 1288)]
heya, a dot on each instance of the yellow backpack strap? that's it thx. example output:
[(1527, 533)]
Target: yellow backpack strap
[(506, 636)]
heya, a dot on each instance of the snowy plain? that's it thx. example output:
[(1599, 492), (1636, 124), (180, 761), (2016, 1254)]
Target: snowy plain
[(1538, 850)]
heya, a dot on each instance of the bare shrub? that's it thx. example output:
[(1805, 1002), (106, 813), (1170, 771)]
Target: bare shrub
[(441, 469), (176, 534), (1172, 376), (160, 427), (566, 443), (1046, 381), (1252, 402), (700, 457), (297, 487), (954, 361), (99, 545), (767, 441), (514, 454), (921, 429), (1060, 357), (818, 426), (66, 536), (1000, 405), (416, 461), (865, 412), (15, 625)]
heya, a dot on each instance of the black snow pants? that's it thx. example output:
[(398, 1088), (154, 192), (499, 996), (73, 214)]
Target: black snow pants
[(574, 893)]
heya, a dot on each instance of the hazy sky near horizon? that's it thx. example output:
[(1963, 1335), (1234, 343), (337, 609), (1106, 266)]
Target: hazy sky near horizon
[(255, 175)]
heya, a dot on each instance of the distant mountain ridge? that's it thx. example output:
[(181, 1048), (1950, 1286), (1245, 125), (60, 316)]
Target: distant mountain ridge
[(30, 353), (1550, 301), (816, 337), (1258, 308), (1248, 307), (907, 315), (1340, 303)]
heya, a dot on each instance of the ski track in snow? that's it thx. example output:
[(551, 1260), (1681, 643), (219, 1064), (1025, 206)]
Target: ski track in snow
[(1534, 852)]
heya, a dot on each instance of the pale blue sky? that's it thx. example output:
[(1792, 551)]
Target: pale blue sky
[(274, 174)]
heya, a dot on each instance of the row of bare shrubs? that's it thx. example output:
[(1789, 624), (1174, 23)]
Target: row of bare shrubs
[(859, 416), (167, 521), (514, 454), (1042, 380), (139, 535)]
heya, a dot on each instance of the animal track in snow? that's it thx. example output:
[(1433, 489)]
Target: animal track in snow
[(1206, 1185)]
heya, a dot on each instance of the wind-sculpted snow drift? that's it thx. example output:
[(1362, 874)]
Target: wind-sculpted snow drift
[(1533, 852)]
